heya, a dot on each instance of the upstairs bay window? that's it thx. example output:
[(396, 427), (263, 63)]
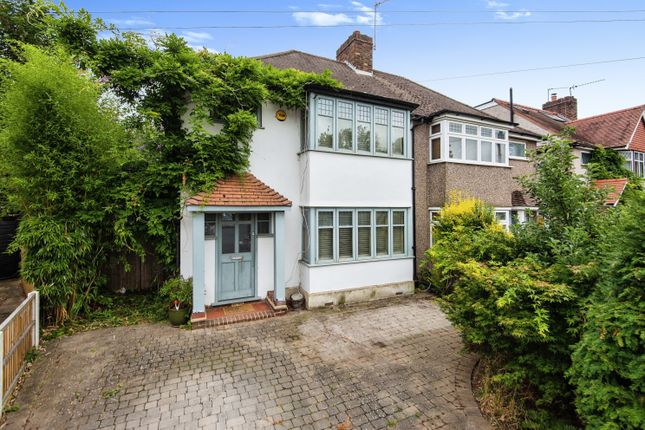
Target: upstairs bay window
[(360, 128), (635, 162), (468, 143), (347, 234)]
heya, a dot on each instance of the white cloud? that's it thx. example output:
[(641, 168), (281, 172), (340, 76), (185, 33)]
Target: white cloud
[(495, 4), (321, 18), (132, 22), (365, 15), (196, 37), (512, 15), (201, 48), (329, 6)]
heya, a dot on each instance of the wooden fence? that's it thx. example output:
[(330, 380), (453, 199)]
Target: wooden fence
[(19, 333)]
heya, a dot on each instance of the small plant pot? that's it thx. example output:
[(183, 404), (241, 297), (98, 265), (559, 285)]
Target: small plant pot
[(297, 300), (177, 317)]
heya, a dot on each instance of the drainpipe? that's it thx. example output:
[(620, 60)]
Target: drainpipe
[(414, 215)]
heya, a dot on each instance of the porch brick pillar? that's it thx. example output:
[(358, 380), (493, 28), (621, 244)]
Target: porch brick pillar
[(278, 253), (198, 262)]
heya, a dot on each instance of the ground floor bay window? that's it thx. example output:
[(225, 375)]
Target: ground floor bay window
[(338, 235)]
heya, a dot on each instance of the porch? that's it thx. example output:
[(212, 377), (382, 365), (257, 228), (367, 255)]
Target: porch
[(232, 245)]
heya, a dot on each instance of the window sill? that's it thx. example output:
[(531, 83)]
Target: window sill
[(361, 154), (470, 163), (366, 260), (518, 158)]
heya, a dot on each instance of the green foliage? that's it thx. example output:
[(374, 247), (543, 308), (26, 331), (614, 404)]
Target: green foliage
[(607, 164), (178, 291), (62, 156), (609, 361), (113, 310), (520, 299), (97, 169)]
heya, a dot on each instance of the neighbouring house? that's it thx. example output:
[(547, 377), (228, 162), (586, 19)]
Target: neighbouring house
[(326, 205), (554, 116), (613, 187), (622, 131)]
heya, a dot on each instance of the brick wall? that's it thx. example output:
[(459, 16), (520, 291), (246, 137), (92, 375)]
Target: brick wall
[(357, 50), (566, 106)]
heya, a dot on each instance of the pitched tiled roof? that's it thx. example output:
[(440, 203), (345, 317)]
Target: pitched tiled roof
[(611, 130), (245, 190), (549, 121), (378, 83), (614, 188)]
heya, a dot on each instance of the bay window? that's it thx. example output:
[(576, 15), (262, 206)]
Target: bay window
[(348, 126), (470, 143), (347, 234)]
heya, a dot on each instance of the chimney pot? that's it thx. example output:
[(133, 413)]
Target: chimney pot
[(565, 106), (357, 50)]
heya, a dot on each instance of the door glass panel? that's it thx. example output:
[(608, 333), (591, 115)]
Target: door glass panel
[(227, 217), (228, 239), (245, 237), (244, 217)]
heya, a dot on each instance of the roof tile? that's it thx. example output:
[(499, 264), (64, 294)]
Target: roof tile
[(614, 188), (611, 130), (244, 190)]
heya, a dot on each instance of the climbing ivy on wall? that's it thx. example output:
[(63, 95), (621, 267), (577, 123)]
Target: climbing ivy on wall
[(160, 96)]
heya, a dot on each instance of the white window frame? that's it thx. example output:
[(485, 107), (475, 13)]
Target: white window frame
[(445, 135), (516, 157), (313, 136), (312, 215), (506, 222)]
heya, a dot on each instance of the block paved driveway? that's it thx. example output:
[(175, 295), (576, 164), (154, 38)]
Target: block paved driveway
[(388, 364)]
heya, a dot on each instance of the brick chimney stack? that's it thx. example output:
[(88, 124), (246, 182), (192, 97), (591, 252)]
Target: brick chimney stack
[(357, 50), (565, 106)]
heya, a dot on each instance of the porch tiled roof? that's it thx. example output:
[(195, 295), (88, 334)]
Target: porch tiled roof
[(614, 188), (244, 190)]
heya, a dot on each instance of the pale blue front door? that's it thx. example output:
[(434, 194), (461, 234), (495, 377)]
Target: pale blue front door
[(236, 258)]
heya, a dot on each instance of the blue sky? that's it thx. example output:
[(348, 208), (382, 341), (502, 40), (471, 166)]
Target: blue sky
[(454, 39)]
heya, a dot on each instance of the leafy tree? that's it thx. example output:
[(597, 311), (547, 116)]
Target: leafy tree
[(63, 158), (607, 164), (24, 21), (608, 368)]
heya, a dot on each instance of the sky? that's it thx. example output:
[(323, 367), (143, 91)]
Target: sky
[(438, 43)]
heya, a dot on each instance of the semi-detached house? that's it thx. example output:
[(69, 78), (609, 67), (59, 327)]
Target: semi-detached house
[(339, 196)]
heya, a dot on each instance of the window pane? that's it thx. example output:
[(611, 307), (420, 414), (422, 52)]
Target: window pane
[(363, 113), (243, 217), (325, 243), (397, 141), (380, 135), (382, 244), (305, 235), (487, 132), (436, 128), (325, 219), (382, 217), (471, 129), (455, 147), (325, 126), (398, 217), (398, 240), (210, 229), (228, 239), (364, 241), (364, 233), (381, 241), (263, 226), (517, 149), (346, 234), (436, 149), (380, 116), (471, 149), (487, 151), (454, 127), (398, 119), (363, 137), (585, 157), (345, 134), (244, 230), (500, 134), (500, 153)]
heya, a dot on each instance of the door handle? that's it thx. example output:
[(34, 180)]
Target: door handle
[(237, 258)]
